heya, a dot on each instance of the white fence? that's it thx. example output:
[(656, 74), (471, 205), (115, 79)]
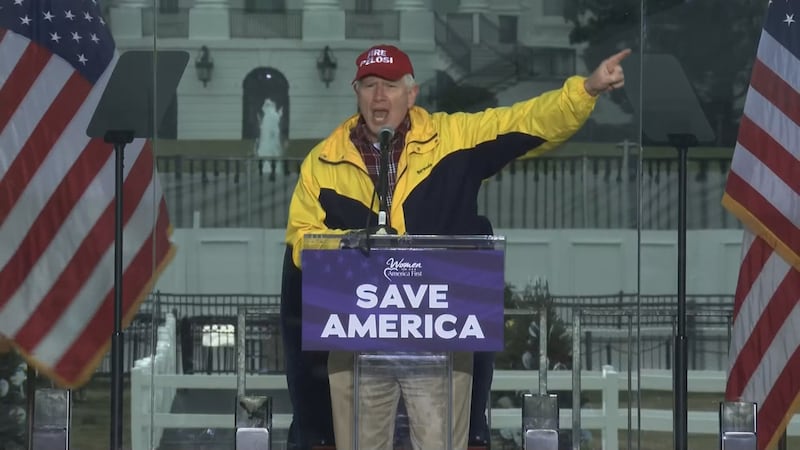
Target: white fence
[(147, 393), (609, 418), (154, 383)]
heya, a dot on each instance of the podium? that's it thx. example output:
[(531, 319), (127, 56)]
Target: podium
[(402, 315)]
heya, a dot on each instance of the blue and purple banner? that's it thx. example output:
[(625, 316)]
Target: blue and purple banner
[(403, 300)]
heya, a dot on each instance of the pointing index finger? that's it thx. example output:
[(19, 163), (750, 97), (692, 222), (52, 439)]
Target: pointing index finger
[(617, 58)]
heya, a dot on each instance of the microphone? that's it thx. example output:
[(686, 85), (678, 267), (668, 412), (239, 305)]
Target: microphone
[(384, 136)]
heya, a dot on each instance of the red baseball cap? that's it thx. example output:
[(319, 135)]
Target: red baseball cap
[(385, 61)]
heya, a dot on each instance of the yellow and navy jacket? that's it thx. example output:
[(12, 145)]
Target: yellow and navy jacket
[(445, 160)]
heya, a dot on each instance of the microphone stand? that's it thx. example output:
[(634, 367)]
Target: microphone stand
[(383, 180), (382, 190)]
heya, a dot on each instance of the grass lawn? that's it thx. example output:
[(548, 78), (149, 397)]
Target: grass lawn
[(91, 416)]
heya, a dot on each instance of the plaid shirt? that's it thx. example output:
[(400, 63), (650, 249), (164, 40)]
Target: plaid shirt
[(371, 153)]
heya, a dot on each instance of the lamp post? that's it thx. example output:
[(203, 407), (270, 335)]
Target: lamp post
[(326, 66), (204, 65)]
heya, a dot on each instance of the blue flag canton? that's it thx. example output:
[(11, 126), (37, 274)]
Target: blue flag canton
[(72, 29), (782, 23)]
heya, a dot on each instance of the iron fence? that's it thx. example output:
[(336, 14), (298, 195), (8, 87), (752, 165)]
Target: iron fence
[(613, 324), (610, 326), (556, 192)]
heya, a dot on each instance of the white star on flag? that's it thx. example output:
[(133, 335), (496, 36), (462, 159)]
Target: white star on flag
[(57, 191)]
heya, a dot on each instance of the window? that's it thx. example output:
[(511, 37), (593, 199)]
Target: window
[(553, 7), (363, 6), (550, 62), (168, 6), (508, 29), (265, 6)]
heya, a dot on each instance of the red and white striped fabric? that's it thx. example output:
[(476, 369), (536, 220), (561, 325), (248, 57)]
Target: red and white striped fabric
[(57, 193), (763, 190), (764, 350)]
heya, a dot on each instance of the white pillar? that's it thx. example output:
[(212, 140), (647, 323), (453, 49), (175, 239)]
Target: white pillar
[(126, 18), (323, 21), (416, 21), (210, 19)]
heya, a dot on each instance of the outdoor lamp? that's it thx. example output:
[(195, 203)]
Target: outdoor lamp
[(204, 65), (326, 65)]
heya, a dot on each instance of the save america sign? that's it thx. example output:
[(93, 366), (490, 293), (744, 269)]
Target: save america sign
[(403, 300)]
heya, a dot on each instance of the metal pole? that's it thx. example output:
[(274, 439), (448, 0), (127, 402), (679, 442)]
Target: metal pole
[(249, 195), (782, 442), (576, 381), (585, 193), (543, 349), (30, 392), (630, 379), (119, 138), (681, 347), (241, 354), (117, 349)]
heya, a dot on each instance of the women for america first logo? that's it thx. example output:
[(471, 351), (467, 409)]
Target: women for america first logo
[(401, 268)]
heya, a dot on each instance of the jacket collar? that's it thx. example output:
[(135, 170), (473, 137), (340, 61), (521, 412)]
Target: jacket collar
[(338, 148)]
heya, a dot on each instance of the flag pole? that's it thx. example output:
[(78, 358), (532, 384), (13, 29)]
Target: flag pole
[(30, 394), (119, 138), (681, 142)]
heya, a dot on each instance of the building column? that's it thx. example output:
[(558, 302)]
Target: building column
[(476, 8), (416, 21), (210, 19), (126, 18), (323, 21)]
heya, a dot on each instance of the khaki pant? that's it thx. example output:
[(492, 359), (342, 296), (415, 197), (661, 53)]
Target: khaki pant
[(424, 399)]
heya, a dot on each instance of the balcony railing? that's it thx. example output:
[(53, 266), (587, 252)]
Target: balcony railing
[(372, 25), (265, 25), (544, 193), (172, 24)]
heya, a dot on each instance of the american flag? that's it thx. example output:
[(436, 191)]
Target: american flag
[(763, 190), (57, 191)]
